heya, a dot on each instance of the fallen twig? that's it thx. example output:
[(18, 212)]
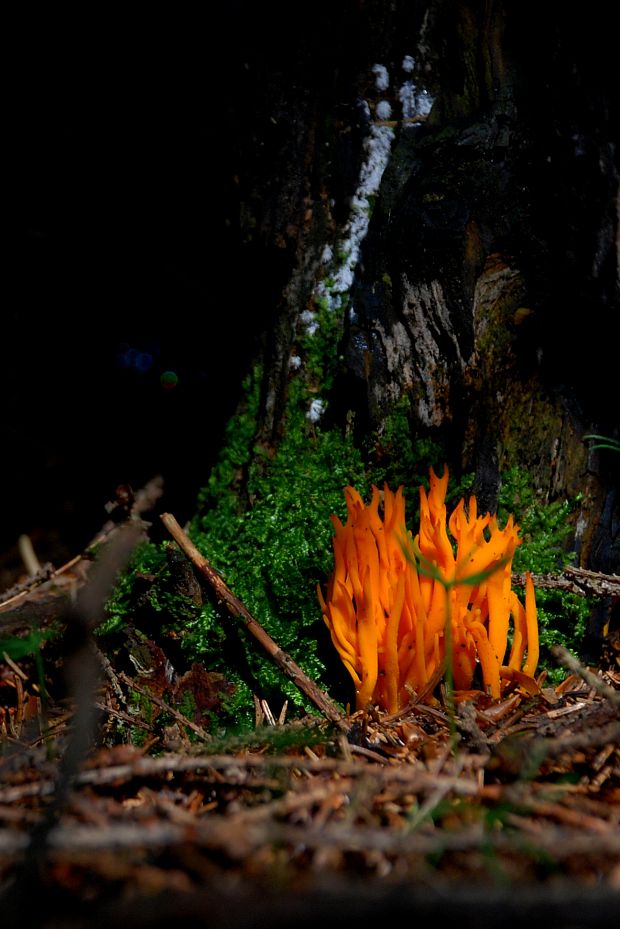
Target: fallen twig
[(198, 730), (575, 580), (593, 680), (144, 500)]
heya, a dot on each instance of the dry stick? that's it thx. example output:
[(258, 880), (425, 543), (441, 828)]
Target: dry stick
[(237, 609), (145, 500), (569, 661), (200, 732), (575, 580)]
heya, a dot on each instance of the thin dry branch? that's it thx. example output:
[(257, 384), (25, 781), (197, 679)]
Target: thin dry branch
[(576, 581), (46, 609), (593, 680), (198, 730)]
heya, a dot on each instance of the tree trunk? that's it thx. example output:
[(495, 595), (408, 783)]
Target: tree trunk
[(486, 286)]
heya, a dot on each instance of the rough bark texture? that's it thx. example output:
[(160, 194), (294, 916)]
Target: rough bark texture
[(497, 245)]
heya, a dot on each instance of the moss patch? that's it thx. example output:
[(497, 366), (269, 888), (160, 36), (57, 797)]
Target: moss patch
[(273, 553), (546, 529)]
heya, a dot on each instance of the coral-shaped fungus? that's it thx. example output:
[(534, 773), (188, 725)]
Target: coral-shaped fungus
[(389, 596)]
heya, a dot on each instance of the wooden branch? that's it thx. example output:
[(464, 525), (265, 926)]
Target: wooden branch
[(593, 582), (131, 683), (569, 661), (577, 581), (16, 604), (234, 606)]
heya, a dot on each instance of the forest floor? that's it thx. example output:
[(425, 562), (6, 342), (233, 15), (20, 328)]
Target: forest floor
[(117, 808)]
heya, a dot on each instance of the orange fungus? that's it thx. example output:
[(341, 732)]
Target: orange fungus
[(390, 595)]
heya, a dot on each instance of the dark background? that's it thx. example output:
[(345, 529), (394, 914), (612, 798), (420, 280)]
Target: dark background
[(126, 260), (138, 141)]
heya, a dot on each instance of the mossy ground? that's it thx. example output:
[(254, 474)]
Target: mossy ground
[(263, 521)]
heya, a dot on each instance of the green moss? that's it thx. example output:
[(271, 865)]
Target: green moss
[(320, 350), (147, 560), (272, 740), (546, 530), (263, 521), (396, 457), (187, 705), (145, 586), (273, 554)]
